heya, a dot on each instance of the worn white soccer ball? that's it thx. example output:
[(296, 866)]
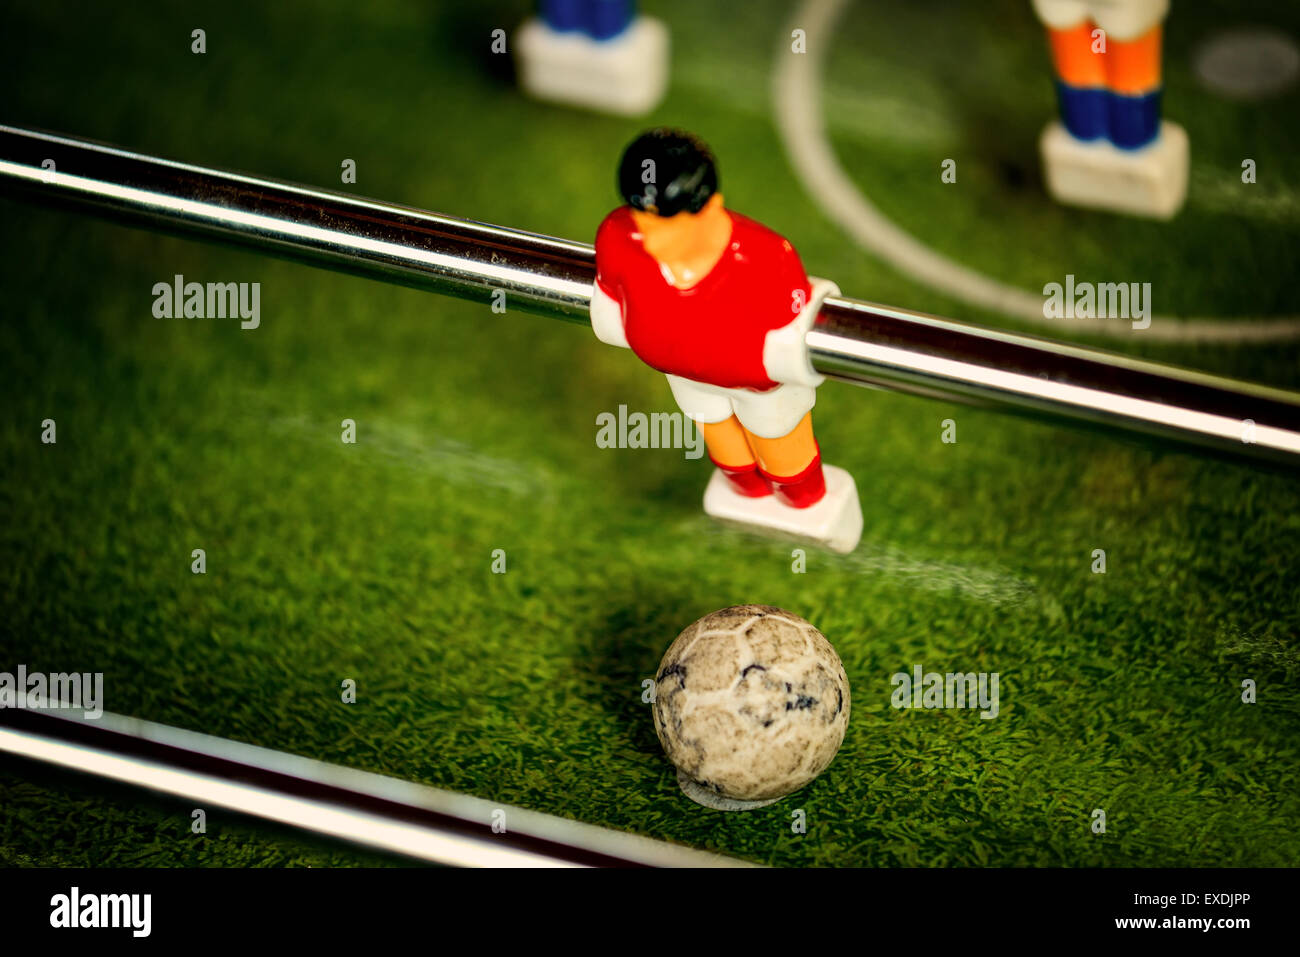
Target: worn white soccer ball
[(751, 703)]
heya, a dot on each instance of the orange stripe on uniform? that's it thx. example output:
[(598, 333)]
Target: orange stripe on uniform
[(1133, 68), (1073, 58)]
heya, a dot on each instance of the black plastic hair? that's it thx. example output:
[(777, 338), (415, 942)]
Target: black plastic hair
[(667, 171)]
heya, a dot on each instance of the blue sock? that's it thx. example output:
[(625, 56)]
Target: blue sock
[(562, 15), (1083, 110), (1134, 120), (606, 19)]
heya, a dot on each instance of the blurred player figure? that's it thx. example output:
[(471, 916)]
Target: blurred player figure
[(1111, 148), (720, 304), (595, 54)]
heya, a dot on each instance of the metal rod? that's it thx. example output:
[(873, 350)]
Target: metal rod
[(853, 341), (372, 810)]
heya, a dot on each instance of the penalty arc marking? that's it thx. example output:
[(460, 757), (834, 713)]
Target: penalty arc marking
[(802, 129)]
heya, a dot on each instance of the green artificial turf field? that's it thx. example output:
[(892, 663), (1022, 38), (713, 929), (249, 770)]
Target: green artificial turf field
[(476, 432)]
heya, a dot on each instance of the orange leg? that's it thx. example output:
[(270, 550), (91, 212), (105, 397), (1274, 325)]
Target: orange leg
[(789, 465), (729, 449), (1133, 67), (789, 454), (1073, 56), (728, 443), (792, 464)]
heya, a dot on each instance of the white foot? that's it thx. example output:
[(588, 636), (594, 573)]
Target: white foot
[(1151, 181), (835, 521), (626, 75)]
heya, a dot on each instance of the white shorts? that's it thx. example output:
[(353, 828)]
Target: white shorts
[(768, 415), (1125, 20)]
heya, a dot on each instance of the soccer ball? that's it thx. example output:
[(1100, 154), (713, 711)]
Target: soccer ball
[(751, 703)]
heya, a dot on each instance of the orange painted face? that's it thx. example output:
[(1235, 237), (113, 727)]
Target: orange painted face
[(689, 244)]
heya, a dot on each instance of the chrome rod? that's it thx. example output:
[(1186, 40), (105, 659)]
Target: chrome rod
[(853, 341), (360, 807)]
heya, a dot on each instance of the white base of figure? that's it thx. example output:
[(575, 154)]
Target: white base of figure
[(626, 75), (1151, 181), (835, 522)]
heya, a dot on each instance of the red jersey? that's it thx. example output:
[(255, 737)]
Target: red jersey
[(713, 332)]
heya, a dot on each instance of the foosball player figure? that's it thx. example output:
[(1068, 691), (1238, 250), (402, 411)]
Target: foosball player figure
[(594, 54), (721, 304), (1111, 149)]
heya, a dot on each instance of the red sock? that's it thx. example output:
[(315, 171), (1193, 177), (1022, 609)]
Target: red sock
[(744, 479), (802, 490)]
